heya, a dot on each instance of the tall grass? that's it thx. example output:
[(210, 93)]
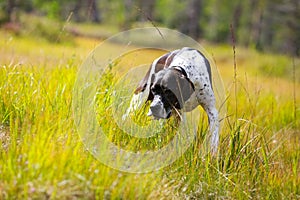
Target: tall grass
[(41, 155)]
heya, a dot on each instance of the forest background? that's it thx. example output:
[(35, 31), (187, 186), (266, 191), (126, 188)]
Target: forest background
[(266, 25)]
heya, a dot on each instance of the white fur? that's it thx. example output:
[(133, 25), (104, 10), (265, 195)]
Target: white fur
[(194, 65)]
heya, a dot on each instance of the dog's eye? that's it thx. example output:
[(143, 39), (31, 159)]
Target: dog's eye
[(156, 89), (166, 91)]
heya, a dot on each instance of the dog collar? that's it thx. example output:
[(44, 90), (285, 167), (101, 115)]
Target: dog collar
[(178, 68)]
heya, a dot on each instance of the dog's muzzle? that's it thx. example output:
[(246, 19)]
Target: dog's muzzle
[(157, 109)]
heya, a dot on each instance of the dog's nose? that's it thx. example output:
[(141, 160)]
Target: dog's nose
[(155, 108)]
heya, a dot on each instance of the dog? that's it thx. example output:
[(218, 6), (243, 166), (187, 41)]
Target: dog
[(178, 81)]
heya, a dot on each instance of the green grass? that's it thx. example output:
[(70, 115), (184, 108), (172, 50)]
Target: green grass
[(41, 154)]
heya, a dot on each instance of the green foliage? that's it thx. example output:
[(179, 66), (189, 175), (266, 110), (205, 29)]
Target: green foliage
[(279, 67), (51, 8), (117, 8), (44, 28), (164, 12), (3, 16), (42, 156)]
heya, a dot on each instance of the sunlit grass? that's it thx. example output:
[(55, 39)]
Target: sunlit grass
[(41, 154)]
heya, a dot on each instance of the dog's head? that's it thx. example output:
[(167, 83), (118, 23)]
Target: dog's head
[(170, 88)]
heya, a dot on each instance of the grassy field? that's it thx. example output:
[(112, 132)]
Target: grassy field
[(42, 156)]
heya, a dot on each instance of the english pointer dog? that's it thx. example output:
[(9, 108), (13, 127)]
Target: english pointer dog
[(179, 81)]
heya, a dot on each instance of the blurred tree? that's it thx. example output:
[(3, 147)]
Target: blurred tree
[(76, 10), (262, 24), (268, 27), (247, 21), (93, 11), (193, 13), (128, 14), (9, 9), (289, 26), (275, 26), (86, 10), (12, 7), (147, 9), (171, 13), (257, 9), (219, 17), (50, 8)]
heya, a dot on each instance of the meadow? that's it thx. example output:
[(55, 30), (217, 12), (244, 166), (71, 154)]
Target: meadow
[(42, 156)]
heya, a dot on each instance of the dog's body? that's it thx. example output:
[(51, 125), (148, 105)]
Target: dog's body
[(179, 80)]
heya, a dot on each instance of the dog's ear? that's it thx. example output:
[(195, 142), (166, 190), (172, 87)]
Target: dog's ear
[(141, 87), (158, 67), (151, 95), (143, 83), (186, 87), (179, 85)]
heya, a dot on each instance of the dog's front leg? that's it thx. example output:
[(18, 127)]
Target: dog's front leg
[(135, 103), (213, 118), (212, 114)]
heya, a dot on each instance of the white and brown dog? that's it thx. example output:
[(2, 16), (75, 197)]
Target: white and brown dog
[(178, 81)]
